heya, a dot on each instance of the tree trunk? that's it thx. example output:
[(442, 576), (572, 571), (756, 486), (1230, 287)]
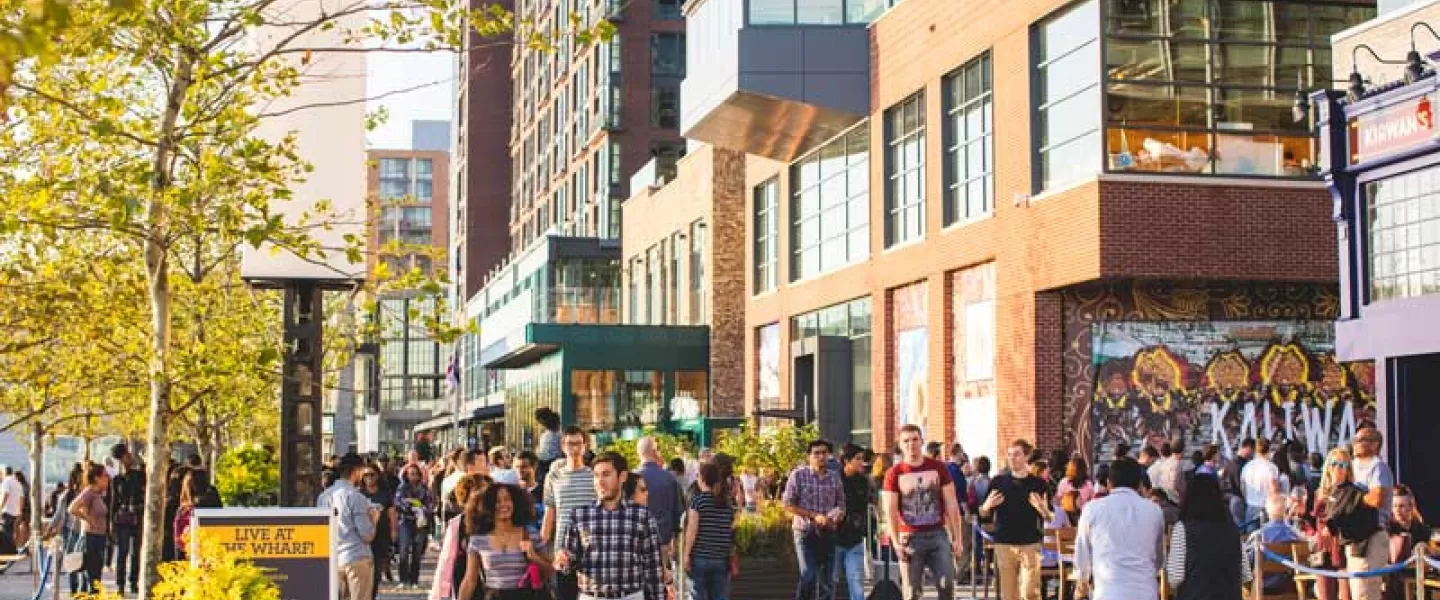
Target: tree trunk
[(157, 442), (204, 438), (37, 490)]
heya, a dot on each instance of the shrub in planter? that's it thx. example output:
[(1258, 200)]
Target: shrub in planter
[(767, 555), (218, 575), (247, 476), (671, 446)]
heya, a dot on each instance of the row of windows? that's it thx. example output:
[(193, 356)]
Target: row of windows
[(407, 179), (655, 280)]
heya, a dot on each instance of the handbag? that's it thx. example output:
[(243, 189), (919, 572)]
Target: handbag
[(73, 557)]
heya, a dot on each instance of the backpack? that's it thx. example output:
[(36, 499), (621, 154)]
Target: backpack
[(1348, 516), (885, 588)]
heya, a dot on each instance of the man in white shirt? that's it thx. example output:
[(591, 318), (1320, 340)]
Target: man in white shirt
[(1258, 479), (470, 462), (1118, 544), (12, 502)]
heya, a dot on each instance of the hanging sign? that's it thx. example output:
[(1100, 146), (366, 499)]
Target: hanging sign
[(1391, 129)]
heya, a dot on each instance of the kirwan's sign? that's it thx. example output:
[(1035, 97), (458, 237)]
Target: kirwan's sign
[(1391, 129)]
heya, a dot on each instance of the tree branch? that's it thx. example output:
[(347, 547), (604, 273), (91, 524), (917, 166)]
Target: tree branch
[(296, 109), (72, 107)]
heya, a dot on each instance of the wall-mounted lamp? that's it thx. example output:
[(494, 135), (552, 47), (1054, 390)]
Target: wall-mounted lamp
[(1356, 89), (1414, 63)]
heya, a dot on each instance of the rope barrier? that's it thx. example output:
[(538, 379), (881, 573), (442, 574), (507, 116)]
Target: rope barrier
[(1434, 564), (983, 534), (1380, 572)]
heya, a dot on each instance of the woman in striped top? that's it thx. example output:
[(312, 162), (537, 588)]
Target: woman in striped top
[(710, 538), (502, 552)]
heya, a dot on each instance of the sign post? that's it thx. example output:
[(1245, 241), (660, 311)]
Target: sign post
[(295, 546)]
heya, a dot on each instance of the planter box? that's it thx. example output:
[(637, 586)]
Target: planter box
[(765, 578)]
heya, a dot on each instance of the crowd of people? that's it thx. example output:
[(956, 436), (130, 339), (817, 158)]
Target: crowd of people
[(98, 512), (566, 523)]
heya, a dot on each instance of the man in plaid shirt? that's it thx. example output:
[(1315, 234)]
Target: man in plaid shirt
[(815, 497), (612, 545)]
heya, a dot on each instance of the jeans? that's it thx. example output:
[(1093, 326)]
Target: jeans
[(711, 577), (92, 563), (127, 551), (567, 586), (850, 562), (814, 552), (927, 550), (357, 580), (412, 548)]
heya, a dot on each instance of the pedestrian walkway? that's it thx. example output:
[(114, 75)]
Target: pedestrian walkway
[(19, 584)]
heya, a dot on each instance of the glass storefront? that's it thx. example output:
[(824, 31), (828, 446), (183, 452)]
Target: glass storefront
[(1404, 235), (527, 389), (1207, 87), (853, 320), (585, 291), (594, 393)]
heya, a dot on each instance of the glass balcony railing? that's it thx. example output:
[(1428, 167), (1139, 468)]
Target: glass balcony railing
[(815, 12)]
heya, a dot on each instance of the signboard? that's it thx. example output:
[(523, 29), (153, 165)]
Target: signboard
[(294, 545), (1391, 129)]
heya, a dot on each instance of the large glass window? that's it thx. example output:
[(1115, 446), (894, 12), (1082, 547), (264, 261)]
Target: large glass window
[(424, 179), (667, 54), (767, 235), (1207, 87), (394, 178), (969, 142), (815, 12), (1068, 95), (830, 205), (640, 402), (665, 103), (852, 320), (666, 9), (905, 171), (698, 284), (594, 393), (1404, 224)]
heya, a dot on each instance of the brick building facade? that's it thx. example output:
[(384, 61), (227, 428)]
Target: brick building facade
[(1004, 255)]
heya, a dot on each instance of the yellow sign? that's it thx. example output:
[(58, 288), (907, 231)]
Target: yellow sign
[(271, 541)]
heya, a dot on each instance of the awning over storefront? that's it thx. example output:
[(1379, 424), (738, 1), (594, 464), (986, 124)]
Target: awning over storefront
[(484, 413)]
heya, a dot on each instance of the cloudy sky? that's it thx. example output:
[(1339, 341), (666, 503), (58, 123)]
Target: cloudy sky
[(389, 72)]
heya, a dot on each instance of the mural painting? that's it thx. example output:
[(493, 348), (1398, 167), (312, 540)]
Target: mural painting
[(769, 367), (972, 314), (1223, 381), (912, 353), (1087, 307)]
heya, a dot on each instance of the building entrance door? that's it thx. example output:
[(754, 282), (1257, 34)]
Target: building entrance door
[(1414, 402)]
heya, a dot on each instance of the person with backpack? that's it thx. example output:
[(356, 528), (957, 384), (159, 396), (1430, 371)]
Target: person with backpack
[(1363, 527)]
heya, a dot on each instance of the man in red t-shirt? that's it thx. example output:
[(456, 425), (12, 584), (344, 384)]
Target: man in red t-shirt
[(923, 518)]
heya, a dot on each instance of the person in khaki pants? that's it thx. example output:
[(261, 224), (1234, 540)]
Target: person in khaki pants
[(355, 519), (1017, 502)]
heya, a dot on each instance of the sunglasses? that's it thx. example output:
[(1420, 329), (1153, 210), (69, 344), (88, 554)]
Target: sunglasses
[(1339, 463)]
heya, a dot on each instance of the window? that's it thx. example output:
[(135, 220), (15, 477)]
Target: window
[(667, 54), (1404, 235), (655, 284), (969, 142), (394, 178), (697, 273), (851, 320), (1209, 89), (1068, 96), (676, 243), (830, 205), (666, 9), (665, 103), (905, 171), (815, 12), (767, 235)]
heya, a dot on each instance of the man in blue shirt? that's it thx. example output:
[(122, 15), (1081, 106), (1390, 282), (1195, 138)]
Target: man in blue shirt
[(1277, 531), (355, 528), (664, 494)]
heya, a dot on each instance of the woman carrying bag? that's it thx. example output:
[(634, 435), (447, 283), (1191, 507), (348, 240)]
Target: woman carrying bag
[(512, 562), (89, 507)]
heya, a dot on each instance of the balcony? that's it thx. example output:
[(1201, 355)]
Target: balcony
[(774, 78)]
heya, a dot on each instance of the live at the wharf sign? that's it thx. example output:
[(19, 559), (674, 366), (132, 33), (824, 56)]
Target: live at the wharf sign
[(1391, 129)]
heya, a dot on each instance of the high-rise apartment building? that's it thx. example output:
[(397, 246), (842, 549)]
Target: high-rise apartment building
[(1078, 222), (409, 193), (480, 237), (586, 117)]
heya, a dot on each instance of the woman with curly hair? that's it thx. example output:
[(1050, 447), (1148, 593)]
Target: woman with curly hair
[(502, 552)]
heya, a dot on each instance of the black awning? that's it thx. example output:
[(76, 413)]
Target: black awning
[(488, 413)]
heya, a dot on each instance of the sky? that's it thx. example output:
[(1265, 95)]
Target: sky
[(392, 71)]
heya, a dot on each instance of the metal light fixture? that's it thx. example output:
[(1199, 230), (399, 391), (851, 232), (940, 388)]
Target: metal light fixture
[(1414, 63), (1301, 109), (1356, 89)]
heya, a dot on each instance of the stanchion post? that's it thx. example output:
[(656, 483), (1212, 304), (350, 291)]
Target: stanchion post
[(1420, 551), (1257, 582)]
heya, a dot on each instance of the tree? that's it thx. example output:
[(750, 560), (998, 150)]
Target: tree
[(143, 126)]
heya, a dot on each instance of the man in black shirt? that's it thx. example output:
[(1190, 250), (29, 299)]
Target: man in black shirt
[(850, 538), (127, 506), (1017, 501)]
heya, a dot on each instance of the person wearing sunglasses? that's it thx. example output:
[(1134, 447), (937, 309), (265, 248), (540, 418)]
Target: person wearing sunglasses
[(1336, 472)]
